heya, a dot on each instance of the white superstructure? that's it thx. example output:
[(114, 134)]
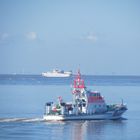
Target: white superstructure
[(86, 105), (57, 73)]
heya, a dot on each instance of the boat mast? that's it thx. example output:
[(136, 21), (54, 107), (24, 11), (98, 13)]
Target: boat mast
[(79, 90)]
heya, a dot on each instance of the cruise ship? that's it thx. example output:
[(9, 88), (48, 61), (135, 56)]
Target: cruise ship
[(86, 105), (57, 73)]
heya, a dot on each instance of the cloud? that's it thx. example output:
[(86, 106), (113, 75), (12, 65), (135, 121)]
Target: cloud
[(31, 35), (92, 37), (3, 36)]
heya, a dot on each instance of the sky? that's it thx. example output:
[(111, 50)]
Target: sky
[(98, 36)]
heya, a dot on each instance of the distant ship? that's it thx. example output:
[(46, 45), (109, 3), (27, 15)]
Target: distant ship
[(57, 73), (86, 105)]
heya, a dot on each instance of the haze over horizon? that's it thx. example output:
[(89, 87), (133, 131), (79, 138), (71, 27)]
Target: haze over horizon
[(99, 37)]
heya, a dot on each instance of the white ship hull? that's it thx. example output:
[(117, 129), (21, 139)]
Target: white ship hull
[(105, 116), (49, 74)]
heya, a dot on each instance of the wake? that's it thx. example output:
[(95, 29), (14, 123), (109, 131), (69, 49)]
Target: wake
[(21, 120)]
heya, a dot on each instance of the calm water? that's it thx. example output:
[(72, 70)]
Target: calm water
[(22, 99)]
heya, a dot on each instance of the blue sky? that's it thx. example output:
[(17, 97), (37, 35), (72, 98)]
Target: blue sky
[(99, 36)]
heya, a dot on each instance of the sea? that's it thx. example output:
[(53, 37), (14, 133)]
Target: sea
[(22, 100)]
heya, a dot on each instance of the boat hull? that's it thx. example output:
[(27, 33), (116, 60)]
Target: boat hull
[(105, 116), (56, 75)]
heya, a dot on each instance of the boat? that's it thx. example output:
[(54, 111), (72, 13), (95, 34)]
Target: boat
[(57, 73), (86, 105)]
